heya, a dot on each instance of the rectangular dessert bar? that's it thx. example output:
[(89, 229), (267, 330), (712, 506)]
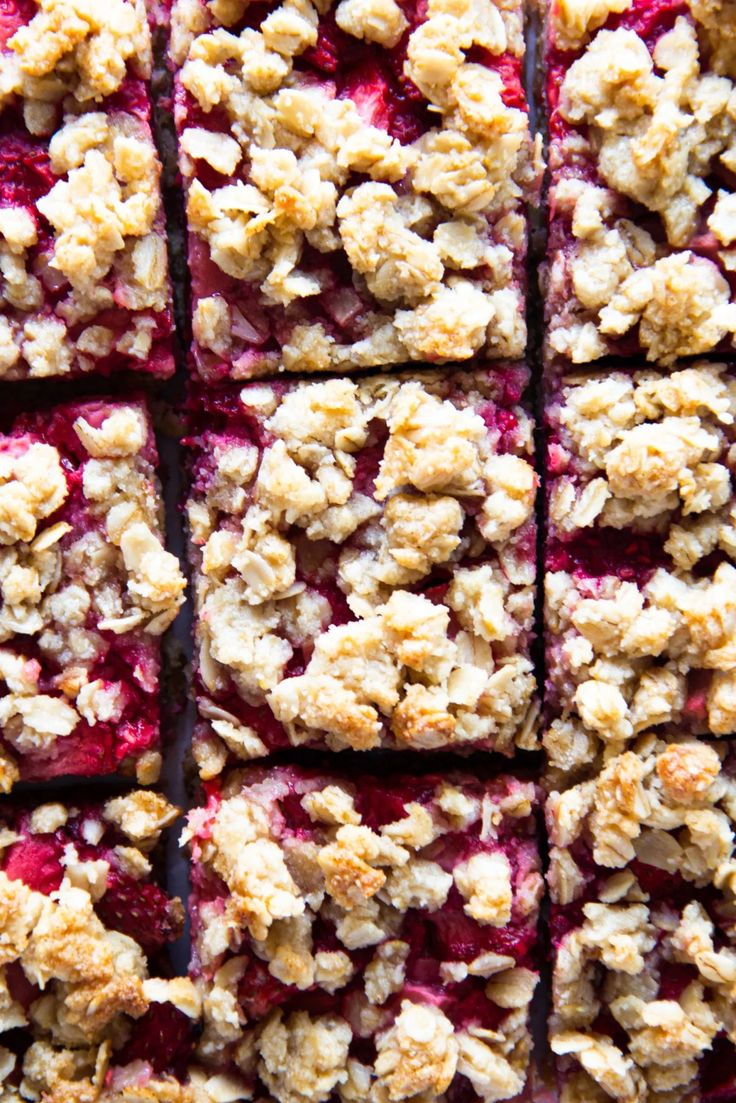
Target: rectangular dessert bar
[(640, 583), (86, 1012), (642, 879), (356, 176), (642, 242), (86, 589), (83, 256), (365, 939), (364, 558)]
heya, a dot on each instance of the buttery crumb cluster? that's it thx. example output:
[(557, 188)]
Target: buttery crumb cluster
[(640, 577), (648, 638), (647, 452), (365, 941), (628, 655), (86, 589), (643, 876), (642, 249), (355, 177), (641, 658), (82, 921), (364, 559), (83, 263)]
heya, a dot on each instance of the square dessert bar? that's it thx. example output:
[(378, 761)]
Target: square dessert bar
[(86, 1014), (356, 175), (83, 257), (643, 883), (642, 119), (640, 583), (364, 557), (367, 939), (86, 589)]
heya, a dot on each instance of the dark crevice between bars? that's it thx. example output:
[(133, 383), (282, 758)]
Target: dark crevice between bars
[(541, 1072)]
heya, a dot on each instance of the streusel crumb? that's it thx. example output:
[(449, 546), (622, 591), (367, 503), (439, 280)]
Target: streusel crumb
[(82, 564), (434, 271), (308, 887), (641, 250), (292, 529)]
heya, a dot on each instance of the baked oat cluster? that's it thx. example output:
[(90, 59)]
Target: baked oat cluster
[(83, 260), (82, 1015), (666, 803), (642, 882), (86, 590), (640, 702), (646, 452), (355, 176), (643, 154), (364, 556), (365, 940), (640, 580), (625, 656)]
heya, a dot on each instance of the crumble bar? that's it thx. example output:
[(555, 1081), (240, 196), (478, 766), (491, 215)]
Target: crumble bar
[(640, 579), (364, 556), (644, 451), (86, 590), (365, 940), (83, 256), (84, 1017), (642, 876), (356, 176), (642, 241)]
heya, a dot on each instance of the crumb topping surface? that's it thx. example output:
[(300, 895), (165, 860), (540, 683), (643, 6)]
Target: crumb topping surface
[(76, 953), (659, 962), (82, 565), (643, 206), (290, 175), (83, 254), (315, 542), (75, 48), (628, 657), (647, 452), (315, 883)]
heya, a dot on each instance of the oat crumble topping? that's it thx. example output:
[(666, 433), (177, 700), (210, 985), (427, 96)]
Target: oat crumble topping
[(81, 562), (658, 130), (671, 805), (402, 668), (665, 802), (648, 452), (628, 657), (74, 48), (82, 244), (364, 881), (292, 150), (83, 957)]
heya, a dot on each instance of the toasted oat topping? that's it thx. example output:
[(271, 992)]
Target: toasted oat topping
[(293, 150), (627, 655), (64, 583), (108, 250), (63, 293), (400, 671), (418, 1053), (341, 875), (573, 21), (655, 139), (620, 956), (651, 452), (76, 47), (91, 979), (716, 19), (304, 1057), (668, 803)]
